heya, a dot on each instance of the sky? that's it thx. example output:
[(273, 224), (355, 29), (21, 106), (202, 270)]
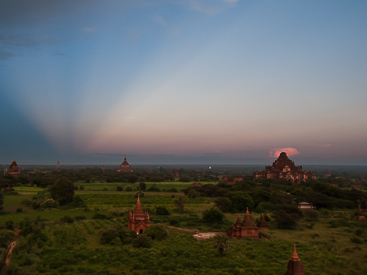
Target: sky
[(183, 81)]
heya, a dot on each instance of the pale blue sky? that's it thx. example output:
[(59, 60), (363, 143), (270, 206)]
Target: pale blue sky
[(175, 81)]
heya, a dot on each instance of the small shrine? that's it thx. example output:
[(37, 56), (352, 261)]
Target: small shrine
[(138, 220), (262, 225), (14, 169), (125, 166), (245, 229), (58, 165), (284, 168), (295, 266)]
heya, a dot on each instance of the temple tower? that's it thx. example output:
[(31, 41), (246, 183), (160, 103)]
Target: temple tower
[(125, 166), (138, 220), (295, 266), (262, 225), (14, 169)]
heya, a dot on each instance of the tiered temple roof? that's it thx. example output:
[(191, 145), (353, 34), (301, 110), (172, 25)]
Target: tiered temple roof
[(284, 168), (125, 166), (262, 225), (245, 229), (138, 220), (14, 169)]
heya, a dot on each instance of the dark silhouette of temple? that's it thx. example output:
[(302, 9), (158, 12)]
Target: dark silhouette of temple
[(14, 169), (284, 168), (247, 228), (125, 166), (138, 220)]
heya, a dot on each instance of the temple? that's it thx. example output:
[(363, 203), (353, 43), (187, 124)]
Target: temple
[(125, 166), (295, 266), (14, 169), (58, 165), (284, 168), (262, 225), (138, 220), (245, 229)]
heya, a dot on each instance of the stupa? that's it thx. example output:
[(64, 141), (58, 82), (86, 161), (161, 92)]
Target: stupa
[(295, 266), (262, 225), (138, 220), (125, 166), (14, 169), (284, 168)]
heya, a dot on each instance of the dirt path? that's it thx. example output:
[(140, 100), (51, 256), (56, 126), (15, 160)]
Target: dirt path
[(199, 235), (11, 246)]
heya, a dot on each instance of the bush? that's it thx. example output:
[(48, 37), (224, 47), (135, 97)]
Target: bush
[(67, 219), (156, 232), (311, 215), (161, 210), (62, 191), (139, 194), (142, 241), (20, 209), (213, 215), (285, 220), (142, 186), (119, 188), (357, 240), (81, 187), (9, 225), (128, 188), (174, 222), (99, 216)]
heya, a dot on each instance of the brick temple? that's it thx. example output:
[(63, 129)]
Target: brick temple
[(284, 168), (14, 169), (247, 228), (138, 220), (295, 266), (125, 166)]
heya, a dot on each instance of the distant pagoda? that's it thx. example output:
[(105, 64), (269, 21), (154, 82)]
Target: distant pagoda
[(125, 166), (138, 220), (14, 169), (262, 225), (245, 229), (58, 165), (295, 266), (284, 168)]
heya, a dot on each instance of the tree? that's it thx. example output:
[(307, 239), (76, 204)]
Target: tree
[(180, 203), (224, 204), (142, 186), (213, 215), (285, 220), (221, 244), (161, 210), (241, 200), (62, 191), (156, 232), (142, 241)]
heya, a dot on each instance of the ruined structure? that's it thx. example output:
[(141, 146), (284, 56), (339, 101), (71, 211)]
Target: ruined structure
[(262, 225), (245, 229), (14, 169), (234, 181), (284, 168), (295, 266), (125, 166), (138, 220)]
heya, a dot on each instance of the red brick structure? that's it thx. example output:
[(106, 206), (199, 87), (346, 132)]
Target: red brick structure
[(58, 165), (245, 229), (103, 168), (235, 180), (262, 225), (284, 168), (295, 266), (125, 166), (327, 173), (138, 220), (14, 169)]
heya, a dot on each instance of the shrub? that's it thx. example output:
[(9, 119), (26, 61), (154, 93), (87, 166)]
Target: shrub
[(142, 186), (285, 220), (156, 232), (213, 215), (139, 194), (325, 213), (62, 191), (99, 216), (81, 187), (161, 210), (119, 188), (142, 241), (128, 188), (357, 240), (9, 225), (311, 215), (20, 209), (67, 219), (174, 222)]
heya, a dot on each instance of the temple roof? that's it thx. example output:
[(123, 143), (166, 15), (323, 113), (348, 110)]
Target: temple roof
[(295, 266), (125, 163), (262, 222), (14, 167), (247, 221)]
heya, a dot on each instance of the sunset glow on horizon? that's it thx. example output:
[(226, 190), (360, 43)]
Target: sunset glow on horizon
[(170, 81)]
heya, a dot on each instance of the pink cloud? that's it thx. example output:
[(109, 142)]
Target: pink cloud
[(318, 145), (275, 152)]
